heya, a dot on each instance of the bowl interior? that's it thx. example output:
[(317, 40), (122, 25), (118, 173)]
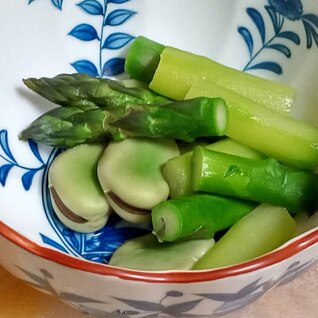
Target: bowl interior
[(65, 37)]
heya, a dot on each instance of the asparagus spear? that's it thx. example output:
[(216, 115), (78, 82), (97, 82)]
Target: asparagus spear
[(284, 138), (173, 72), (177, 171), (86, 92), (198, 216), (184, 120), (68, 127), (264, 180), (259, 232)]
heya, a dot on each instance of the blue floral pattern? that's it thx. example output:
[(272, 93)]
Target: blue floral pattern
[(279, 37), (9, 162), (228, 302), (109, 19), (56, 3), (112, 41)]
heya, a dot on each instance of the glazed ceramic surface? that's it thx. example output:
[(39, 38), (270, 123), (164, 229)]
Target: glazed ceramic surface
[(274, 39)]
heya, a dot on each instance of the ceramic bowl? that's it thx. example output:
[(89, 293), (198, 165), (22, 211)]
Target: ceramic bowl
[(275, 39)]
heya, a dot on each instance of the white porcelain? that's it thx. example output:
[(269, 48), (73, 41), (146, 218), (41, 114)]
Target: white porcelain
[(48, 37)]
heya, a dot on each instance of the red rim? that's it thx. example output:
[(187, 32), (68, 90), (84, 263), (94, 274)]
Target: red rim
[(277, 256)]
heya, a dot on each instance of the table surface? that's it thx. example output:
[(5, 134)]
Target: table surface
[(294, 300)]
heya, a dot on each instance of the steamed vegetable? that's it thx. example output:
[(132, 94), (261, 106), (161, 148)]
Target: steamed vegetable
[(184, 120), (286, 139), (86, 92), (146, 253), (259, 232), (77, 196), (178, 70), (130, 175), (263, 180), (197, 216), (177, 171)]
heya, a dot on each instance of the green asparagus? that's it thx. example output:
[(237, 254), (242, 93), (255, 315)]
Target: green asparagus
[(257, 233), (86, 92), (173, 72), (184, 120), (177, 171), (197, 216), (264, 180)]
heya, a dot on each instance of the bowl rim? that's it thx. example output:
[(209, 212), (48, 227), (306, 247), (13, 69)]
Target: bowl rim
[(284, 252)]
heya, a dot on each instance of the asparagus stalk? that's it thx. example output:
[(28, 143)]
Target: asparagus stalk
[(177, 171), (284, 138), (263, 180), (184, 120), (178, 70), (259, 232), (197, 216), (86, 92)]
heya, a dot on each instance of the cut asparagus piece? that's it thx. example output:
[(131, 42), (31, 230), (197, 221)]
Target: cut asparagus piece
[(178, 70), (77, 196), (197, 216), (305, 222), (261, 231), (286, 139), (177, 171), (183, 120), (263, 180), (143, 58), (130, 174), (146, 253), (86, 92)]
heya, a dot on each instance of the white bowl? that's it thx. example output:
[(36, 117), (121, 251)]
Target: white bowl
[(45, 38)]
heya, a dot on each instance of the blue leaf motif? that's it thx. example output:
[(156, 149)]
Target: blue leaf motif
[(272, 13), (35, 150), (281, 48), (86, 67), (311, 18), (118, 17), (52, 243), (4, 171), (246, 34), (118, 1), (84, 32), (92, 7), (311, 34), (258, 21), (58, 3), (117, 40), (5, 144), (27, 178), (114, 66), (269, 66), (290, 35)]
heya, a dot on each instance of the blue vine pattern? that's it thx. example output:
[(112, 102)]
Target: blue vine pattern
[(10, 162), (278, 11), (114, 41), (228, 302), (56, 3), (87, 33)]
